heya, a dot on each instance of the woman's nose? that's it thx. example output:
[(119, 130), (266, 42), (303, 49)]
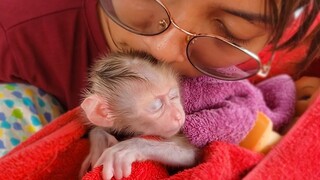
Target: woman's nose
[(170, 45)]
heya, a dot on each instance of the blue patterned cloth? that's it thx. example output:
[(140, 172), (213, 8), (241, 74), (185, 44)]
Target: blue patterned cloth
[(24, 109)]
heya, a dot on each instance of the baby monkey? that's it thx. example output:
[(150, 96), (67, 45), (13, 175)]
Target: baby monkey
[(133, 94)]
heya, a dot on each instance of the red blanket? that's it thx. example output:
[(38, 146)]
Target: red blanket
[(56, 152)]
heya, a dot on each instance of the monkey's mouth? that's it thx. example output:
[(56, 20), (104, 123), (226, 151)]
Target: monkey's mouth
[(172, 131)]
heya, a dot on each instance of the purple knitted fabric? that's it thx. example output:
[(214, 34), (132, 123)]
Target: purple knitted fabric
[(226, 111)]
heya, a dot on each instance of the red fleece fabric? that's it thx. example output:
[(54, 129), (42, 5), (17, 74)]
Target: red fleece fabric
[(220, 161), (56, 152), (297, 156), (140, 170)]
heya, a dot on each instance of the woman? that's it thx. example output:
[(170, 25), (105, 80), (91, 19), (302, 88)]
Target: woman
[(51, 44)]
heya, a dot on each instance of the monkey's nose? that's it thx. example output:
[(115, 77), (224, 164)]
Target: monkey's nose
[(178, 116)]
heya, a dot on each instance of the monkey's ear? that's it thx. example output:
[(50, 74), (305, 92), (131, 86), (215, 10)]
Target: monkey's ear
[(97, 111)]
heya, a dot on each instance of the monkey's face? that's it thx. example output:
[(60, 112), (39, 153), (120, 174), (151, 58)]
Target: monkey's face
[(161, 112)]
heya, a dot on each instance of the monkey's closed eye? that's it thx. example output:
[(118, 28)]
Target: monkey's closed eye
[(174, 93), (156, 105), (174, 97)]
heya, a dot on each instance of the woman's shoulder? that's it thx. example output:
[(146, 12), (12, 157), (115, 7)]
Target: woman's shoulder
[(15, 12)]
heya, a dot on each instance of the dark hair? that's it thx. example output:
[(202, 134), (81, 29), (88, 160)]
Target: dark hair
[(280, 20)]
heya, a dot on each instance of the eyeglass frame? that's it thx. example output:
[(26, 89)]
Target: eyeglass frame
[(263, 70)]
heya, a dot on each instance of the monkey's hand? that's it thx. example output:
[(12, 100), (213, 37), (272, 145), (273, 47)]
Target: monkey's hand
[(99, 140), (117, 160)]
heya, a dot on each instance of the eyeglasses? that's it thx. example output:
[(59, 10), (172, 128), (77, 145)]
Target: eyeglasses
[(212, 55)]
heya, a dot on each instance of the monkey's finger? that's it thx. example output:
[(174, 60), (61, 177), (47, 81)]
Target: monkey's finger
[(107, 171), (118, 166), (127, 170), (99, 162), (107, 162), (105, 157)]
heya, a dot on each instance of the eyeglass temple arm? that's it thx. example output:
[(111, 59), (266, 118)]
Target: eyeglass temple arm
[(265, 68)]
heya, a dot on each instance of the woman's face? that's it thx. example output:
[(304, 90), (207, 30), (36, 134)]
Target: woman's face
[(240, 21)]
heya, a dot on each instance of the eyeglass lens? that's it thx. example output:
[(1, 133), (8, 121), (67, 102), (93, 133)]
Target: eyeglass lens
[(145, 17), (215, 57), (211, 55)]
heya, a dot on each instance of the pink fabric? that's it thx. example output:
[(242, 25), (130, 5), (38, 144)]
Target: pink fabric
[(226, 111)]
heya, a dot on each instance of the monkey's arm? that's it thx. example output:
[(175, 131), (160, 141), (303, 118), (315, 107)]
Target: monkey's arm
[(100, 139), (117, 159)]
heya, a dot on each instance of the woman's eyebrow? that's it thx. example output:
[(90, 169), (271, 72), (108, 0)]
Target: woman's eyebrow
[(251, 17)]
